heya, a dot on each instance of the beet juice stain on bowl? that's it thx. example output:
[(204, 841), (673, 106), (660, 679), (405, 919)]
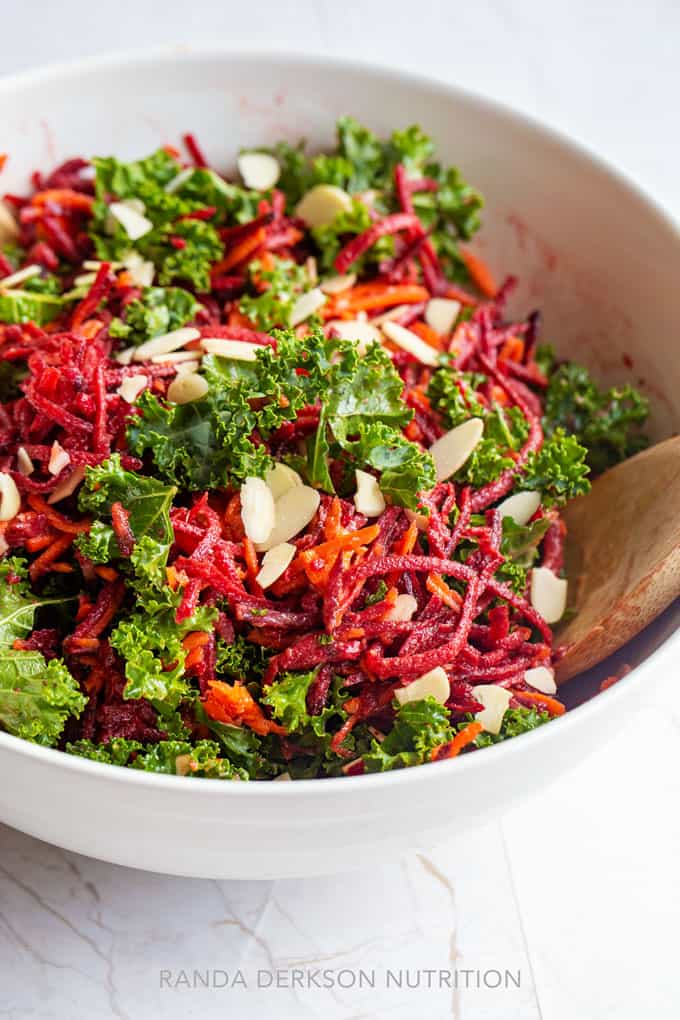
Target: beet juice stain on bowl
[(282, 476)]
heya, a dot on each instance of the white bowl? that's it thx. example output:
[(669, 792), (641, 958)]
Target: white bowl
[(598, 258)]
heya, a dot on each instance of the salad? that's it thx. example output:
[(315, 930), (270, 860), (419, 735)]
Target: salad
[(280, 476)]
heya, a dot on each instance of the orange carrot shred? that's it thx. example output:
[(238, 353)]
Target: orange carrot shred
[(453, 747), (551, 705), (436, 586), (479, 272)]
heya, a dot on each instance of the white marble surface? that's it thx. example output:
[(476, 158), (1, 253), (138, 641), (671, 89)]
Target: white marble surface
[(576, 894)]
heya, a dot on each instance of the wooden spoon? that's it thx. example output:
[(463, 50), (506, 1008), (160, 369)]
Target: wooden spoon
[(622, 556)]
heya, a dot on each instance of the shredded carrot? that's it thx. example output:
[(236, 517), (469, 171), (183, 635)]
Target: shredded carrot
[(196, 639), (551, 705), (512, 349), (436, 586), (252, 566), (124, 279), (409, 539), (479, 272), (84, 608), (455, 746), (43, 563), (64, 197), (366, 297), (331, 527), (34, 545), (3, 160), (426, 333), (194, 657), (61, 568), (233, 704), (349, 541), (106, 573), (237, 318), (233, 522), (240, 252), (90, 328), (57, 521), (499, 396)]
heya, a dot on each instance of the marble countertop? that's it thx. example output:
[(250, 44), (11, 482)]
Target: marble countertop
[(566, 907)]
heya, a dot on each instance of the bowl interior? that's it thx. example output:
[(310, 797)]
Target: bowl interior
[(598, 260)]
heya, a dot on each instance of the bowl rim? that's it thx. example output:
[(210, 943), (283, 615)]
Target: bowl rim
[(186, 53)]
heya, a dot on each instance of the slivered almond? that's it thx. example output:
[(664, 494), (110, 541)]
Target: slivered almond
[(453, 449), (125, 356), (358, 331), (368, 499), (306, 305), (182, 177), (542, 679), (166, 343), (186, 388), (521, 507), (21, 275), (237, 350), (257, 509), (131, 387), (25, 465), (68, 486), (281, 478), (441, 314), (403, 609), (294, 510), (434, 684), (59, 459), (260, 170), (10, 499), (175, 357), (141, 270), (131, 217), (548, 594), (338, 284), (321, 204), (495, 700), (420, 519), (411, 343), (274, 563)]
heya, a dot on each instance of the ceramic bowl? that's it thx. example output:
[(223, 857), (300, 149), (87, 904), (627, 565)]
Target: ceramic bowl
[(599, 259)]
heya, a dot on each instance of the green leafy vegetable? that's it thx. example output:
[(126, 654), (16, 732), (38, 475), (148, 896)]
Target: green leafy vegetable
[(146, 500), (159, 310), (286, 281), (418, 728), (515, 721), (605, 421), (25, 306), (559, 469)]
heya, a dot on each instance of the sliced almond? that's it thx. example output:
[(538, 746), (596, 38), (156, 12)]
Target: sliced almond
[(131, 218), (175, 357), (548, 594), (68, 486), (125, 356), (187, 366), (495, 700), (131, 387), (306, 305), (281, 478), (141, 270), (441, 314), (434, 684), (421, 520), (86, 280), (285, 777), (257, 509), (403, 609), (453, 449), (10, 499), (182, 177), (274, 563), (9, 228), (411, 343), (186, 388), (237, 350), (321, 204), (359, 332), (25, 465), (260, 171), (392, 314), (294, 510), (166, 343), (59, 459), (182, 764), (542, 679), (338, 284), (368, 499), (3, 545), (21, 275), (521, 507)]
